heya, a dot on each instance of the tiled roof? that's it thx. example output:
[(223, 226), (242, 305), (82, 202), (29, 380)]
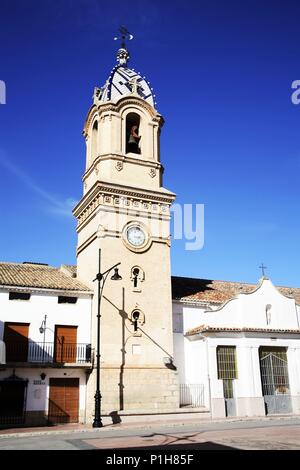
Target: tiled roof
[(206, 290), (216, 329), (40, 276), (119, 85)]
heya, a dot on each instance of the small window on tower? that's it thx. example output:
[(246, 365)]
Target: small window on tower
[(137, 276), (132, 133)]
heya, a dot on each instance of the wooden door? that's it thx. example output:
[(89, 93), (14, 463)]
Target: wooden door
[(16, 341), (12, 401), (65, 343), (63, 400)]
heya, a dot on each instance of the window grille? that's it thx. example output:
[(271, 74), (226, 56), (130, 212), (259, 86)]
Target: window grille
[(226, 361)]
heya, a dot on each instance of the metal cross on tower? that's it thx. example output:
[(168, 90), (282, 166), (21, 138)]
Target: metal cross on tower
[(124, 34), (262, 267)]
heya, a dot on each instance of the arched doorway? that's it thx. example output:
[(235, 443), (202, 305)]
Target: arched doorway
[(275, 380)]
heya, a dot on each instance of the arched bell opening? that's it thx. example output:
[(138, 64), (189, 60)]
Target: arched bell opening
[(133, 137), (94, 146)]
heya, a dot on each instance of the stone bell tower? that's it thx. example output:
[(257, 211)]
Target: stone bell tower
[(125, 212)]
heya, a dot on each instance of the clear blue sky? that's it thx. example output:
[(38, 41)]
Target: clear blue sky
[(222, 73)]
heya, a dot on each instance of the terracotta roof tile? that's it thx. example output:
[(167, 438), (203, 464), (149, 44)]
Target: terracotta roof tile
[(216, 329), (40, 276), (206, 290)]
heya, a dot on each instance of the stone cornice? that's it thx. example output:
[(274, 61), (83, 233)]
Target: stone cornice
[(116, 196), (123, 159)]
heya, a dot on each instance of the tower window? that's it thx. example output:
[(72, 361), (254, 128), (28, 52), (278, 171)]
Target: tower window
[(135, 273), (94, 139), (132, 133), (137, 276)]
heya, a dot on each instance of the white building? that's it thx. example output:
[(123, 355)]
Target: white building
[(45, 324), (237, 346)]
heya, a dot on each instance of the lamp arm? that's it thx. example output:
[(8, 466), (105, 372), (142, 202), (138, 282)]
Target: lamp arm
[(103, 276), (108, 270)]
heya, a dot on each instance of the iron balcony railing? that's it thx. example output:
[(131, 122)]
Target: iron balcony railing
[(49, 353), (192, 395)]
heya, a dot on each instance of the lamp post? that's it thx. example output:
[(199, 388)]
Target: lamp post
[(101, 278)]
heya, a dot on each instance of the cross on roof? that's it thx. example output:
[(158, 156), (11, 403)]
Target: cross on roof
[(262, 267)]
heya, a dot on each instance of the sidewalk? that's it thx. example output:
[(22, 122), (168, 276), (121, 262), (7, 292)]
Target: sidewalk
[(138, 425)]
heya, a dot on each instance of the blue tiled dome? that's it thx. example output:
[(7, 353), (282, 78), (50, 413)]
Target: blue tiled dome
[(123, 81)]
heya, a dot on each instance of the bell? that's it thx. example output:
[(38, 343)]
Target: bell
[(131, 139)]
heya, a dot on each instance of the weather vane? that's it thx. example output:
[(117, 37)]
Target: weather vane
[(124, 34)]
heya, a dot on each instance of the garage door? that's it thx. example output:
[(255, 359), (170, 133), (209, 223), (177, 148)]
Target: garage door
[(63, 401)]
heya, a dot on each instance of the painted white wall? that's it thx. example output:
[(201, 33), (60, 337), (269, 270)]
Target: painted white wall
[(34, 310), (38, 393), (196, 359), (249, 310)]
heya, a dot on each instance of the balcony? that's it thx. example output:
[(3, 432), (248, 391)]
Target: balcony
[(51, 354)]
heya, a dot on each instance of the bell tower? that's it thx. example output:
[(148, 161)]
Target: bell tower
[(125, 212)]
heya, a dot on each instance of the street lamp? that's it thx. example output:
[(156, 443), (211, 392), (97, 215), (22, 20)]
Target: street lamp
[(101, 278), (42, 330)]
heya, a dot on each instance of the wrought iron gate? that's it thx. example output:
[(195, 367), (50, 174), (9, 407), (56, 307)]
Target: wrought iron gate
[(275, 380)]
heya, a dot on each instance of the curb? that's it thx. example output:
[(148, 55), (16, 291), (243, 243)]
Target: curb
[(139, 427)]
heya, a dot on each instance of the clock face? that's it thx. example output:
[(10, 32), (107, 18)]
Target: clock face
[(136, 236)]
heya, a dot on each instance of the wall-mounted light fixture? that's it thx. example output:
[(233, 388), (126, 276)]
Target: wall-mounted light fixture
[(43, 325)]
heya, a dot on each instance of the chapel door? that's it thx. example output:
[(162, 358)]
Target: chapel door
[(275, 380)]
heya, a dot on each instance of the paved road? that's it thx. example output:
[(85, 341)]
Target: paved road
[(272, 434)]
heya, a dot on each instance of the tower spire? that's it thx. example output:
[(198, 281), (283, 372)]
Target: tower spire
[(123, 54)]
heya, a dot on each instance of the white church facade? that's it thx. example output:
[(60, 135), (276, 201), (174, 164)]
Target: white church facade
[(167, 344), (241, 343)]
